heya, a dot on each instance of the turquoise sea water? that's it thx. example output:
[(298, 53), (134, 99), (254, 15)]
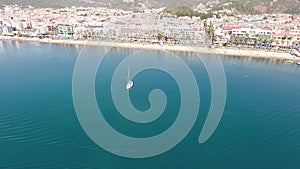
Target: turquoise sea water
[(39, 128)]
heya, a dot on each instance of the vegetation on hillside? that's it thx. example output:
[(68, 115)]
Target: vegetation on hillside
[(186, 11), (115, 3), (182, 11), (43, 3), (260, 6), (239, 6)]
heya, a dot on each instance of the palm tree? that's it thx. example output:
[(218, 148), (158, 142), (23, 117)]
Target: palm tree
[(227, 42), (205, 27), (263, 41), (101, 33), (284, 37), (211, 31), (84, 32), (220, 36), (288, 43), (80, 34), (294, 43), (232, 41), (251, 41), (114, 33), (271, 41), (282, 42), (289, 40), (110, 33), (238, 40), (89, 32), (93, 33), (256, 42), (242, 39)]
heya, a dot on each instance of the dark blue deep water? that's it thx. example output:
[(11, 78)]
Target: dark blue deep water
[(260, 128)]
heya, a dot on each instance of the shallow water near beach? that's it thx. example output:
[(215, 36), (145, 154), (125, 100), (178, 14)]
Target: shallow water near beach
[(39, 128)]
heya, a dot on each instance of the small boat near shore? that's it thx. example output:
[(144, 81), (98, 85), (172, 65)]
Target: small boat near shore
[(289, 61), (288, 58), (298, 63)]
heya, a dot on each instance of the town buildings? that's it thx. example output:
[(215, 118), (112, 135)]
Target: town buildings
[(150, 25)]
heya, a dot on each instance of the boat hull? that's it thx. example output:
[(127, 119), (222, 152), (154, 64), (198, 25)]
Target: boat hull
[(129, 85)]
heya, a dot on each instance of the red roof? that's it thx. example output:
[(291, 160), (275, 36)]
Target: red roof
[(282, 34), (230, 27), (144, 30), (200, 29), (129, 30), (266, 28)]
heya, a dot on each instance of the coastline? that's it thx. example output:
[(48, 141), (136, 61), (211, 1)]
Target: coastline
[(178, 48)]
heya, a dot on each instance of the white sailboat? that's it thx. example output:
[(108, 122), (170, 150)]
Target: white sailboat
[(129, 84)]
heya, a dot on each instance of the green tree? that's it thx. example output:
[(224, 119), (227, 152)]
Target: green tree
[(242, 40), (251, 41), (282, 41), (284, 37), (262, 41), (256, 41), (19, 34), (232, 41), (247, 37), (288, 43), (272, 40), (227, 43), (294, 42), (205, 27), (211, 31)]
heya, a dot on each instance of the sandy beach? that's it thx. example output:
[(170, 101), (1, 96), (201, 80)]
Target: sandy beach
[(219, 51)]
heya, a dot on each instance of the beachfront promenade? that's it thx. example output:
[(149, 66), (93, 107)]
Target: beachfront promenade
[(226, 51)]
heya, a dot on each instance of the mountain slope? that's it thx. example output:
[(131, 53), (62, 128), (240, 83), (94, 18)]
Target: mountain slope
[(241, 6), (44, 3), (260, 6), (56, 3)]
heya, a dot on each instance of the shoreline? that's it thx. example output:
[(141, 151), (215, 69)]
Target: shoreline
[(177, 48)]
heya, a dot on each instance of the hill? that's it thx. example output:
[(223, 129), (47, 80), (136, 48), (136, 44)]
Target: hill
[(240, 6), (260, 6), (186, 11), (66, 3)]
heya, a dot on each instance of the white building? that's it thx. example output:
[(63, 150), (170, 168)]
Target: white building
[(252, 33), (294, 32)]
